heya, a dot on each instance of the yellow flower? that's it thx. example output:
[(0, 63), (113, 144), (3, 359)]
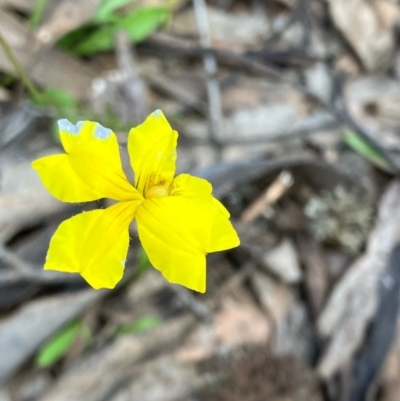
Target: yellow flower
[(178, 219)]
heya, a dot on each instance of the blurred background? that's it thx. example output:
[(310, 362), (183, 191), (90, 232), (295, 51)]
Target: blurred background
[(291, 108)]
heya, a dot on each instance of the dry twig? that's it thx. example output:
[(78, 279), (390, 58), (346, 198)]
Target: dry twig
[(211, 67), (270, 196)]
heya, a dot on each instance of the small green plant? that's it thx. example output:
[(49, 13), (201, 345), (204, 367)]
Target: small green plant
[(106, 9), (98, 34), (144, 323), (58, 346)]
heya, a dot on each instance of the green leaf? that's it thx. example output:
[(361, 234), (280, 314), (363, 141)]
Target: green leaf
[(138, 25), (101, 40), (59, 345), (142, 324), (358, 144), (107, 7), (143, 21), (72, 39)]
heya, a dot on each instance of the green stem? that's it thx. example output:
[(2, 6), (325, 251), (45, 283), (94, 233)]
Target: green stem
[(20, 71), (37, 13)]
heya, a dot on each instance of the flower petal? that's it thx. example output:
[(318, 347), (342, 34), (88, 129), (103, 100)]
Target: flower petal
[(191, 187), (223, 235), (91, 168), (93, 244), (176, 233), (152, 152)]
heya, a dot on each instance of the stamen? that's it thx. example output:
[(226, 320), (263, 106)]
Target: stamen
[(157, 191)]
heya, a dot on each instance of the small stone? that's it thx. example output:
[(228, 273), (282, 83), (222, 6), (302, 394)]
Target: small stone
[(283, 261), (275, 298), (4, 395), (318, 81)]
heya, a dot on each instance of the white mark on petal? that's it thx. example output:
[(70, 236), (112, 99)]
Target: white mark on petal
[(66, 126), (157, 113), (101, 132)]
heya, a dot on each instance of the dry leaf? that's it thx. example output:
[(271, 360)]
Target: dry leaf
[(283, 261), (243, 324), (368, 26), (228, 30), (275, 298), (24, 331), (354, 300), (101, 373), (50, 68), (23, 198)]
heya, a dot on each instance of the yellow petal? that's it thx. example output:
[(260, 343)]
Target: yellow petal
[(152, 152), (91, 168), (223, 236), (176, 232), (192, 187), (93, 244)]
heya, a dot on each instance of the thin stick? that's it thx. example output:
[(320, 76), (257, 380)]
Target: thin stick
[(269, 197), (211, 67)]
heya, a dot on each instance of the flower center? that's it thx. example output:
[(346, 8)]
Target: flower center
[(157, 191)]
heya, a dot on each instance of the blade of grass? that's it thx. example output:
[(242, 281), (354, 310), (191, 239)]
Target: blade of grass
[(144, 323), (52, 351), (358, 144), (20, 71), (37, 13)]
